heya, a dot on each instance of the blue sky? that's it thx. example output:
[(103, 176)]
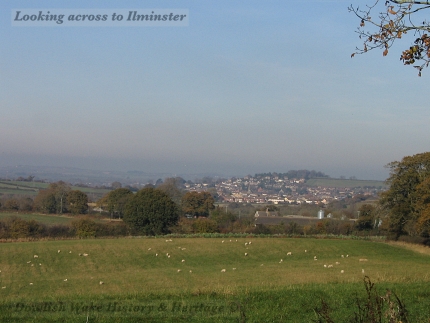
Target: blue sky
[(246, 87)]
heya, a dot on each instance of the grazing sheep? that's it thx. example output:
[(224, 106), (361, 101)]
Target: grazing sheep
[(40, 264), (249, 242), (70, 251), (342, 256), (230, 240), (222, 241), (32, 265), (4, 287), (261, 265), (306, 251), (101, 283), (289, 253), (183, 260), (325, 266), (315, 259), (80, 255), (28, 262), (223, 270), (156, 255), (330, 266), (191, 271), (149, 249), (342, 271), (234, 268), (179, 270), (168, 256), (31, 283), (362, 271), (65, 279), (361, 260), (246, 243), (59, 251), (280, 261), (246, 254), (337, 263), (35, 256), (85, 254), (347, 256), (183, 248)]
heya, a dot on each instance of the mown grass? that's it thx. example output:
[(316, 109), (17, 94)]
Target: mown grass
[(334, 182), (260, 289)]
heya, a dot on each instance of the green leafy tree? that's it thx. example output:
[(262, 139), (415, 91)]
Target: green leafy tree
[(150, 212), (45, 202), (366, 218), (405, 199), (383, 23), (198, 204), (78, 202), (116, 200)]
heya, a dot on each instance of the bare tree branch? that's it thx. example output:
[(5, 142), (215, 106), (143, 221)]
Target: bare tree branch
[(396, 19)]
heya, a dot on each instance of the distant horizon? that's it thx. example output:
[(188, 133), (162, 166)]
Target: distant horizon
[(114, 166)]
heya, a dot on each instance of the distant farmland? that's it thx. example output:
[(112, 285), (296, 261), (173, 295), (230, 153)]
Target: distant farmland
[(350, 183), (32, 189)]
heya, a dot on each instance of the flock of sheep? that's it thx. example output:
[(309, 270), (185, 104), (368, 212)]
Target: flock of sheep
[(223, 270), (247, 244)]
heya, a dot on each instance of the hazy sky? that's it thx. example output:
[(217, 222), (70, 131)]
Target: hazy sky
[(247, 87)]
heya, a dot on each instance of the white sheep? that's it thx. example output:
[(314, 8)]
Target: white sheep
[(330, 266), (65, 279), (234, 268), (289, 253), (223, 270), (179, 270), (246, 254), (250, 242), (156, 255), (59, 251), (337, 263), (85, 254), (191, 271), (35, 256), (101, 283), (342, 271), (149, 249), (342, 256), (325, 266), (183, 260), (246, 243), (362, 271)]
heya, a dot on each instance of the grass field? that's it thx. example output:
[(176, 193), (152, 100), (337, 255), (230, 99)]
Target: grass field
[(350, 183), (32, 189), (41, 218), (139, 286)]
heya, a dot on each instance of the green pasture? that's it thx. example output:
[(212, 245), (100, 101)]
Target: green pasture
[(350, 183), (41, 218), (32, 189), (203, 280)]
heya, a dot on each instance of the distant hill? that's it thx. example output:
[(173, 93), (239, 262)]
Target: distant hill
[(334, 182)]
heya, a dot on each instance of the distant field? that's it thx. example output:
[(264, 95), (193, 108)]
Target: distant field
[(333, 182), (32, 188), (190, 285), (42, 218)]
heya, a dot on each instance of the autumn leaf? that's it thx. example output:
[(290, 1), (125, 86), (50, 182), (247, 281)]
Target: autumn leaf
[(352, 55), (390, 10), (385, 52)]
